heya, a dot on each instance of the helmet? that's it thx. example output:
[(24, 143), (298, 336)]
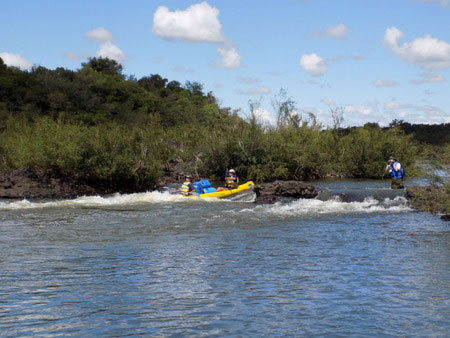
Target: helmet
[(188, 176), (232, 171)]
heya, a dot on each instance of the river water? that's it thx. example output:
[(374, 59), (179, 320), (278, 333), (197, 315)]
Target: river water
[(357, 261)]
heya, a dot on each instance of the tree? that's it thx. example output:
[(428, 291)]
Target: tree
[(174, 85), (253, 106), (104, 65), (371, 125), (152, 82), (337, 114), (3, 66), (195, 88), (285, 108)]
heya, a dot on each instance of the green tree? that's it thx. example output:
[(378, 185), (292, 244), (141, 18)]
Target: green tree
[(104, 65)]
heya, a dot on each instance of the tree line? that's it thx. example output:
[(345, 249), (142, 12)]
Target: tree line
[(101, 127)]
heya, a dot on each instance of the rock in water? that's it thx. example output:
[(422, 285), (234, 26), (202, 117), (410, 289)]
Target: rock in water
[(272, 192), (28, 183), (431, 198)]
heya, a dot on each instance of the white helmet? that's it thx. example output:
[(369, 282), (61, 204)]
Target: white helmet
[(232, 171)]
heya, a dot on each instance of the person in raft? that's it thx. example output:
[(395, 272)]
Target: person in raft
[(187, 188), (231, 181), (397, 173)]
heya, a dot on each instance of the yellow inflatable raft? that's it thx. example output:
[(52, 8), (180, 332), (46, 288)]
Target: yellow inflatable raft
[(226, 193)]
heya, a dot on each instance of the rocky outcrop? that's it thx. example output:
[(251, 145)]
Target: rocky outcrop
[(35, 183), (28, 183), (268, 193), (431, 198)]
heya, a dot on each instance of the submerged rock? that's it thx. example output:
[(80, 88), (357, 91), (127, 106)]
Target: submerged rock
[(268, 193)]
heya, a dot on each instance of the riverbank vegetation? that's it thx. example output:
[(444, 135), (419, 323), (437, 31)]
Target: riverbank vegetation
[(103, 128)]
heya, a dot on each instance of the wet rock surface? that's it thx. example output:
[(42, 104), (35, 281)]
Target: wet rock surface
[(431, 198), (35, 183), (28, 183), (273, 192)]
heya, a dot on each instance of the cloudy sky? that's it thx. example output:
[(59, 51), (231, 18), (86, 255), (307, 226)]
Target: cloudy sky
[(377, 60)]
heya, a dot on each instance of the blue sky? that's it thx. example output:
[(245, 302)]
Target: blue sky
[(375, 60)]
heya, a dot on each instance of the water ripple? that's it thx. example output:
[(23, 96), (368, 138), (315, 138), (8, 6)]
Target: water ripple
[(225, 269)]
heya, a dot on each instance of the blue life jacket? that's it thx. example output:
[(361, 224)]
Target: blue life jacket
[(396, 174)]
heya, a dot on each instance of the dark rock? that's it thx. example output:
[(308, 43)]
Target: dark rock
[(431, 198), (268, 193), (174, 171), (29, 183)]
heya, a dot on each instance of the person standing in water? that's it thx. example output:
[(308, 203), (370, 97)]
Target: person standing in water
[(397, 173)]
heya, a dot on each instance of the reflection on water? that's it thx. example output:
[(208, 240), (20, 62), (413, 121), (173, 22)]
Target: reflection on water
[(156, 264)]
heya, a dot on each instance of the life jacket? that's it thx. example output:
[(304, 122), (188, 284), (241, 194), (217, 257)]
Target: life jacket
[(398, 175), (231, 182), (185, 188)]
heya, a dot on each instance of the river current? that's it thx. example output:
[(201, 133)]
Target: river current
[(357, 261)]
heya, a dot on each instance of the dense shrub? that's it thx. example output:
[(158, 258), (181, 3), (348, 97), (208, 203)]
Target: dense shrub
[(106, 154)]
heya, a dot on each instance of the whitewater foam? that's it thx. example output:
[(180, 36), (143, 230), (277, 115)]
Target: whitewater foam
[(333, 206), (97, 201), (298, 207)]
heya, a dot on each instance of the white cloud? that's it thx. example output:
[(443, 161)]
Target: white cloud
[(230, 58), (183, 69), (358, 109), (107, 48), (428, 78), (328, 101), (428, 52), (275, 73), (359, 57), (111, 51), (265, 117), (417, 113), (99, 34), (15, 60), (443, 3), (384, 83), (247, 80), (337, 32), (77, 57), (198, 23), (263, 90), (313, 64)]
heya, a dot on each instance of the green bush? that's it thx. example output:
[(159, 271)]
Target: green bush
[(109, 153)]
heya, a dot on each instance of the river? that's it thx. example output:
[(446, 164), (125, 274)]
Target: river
[(357, 261)]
